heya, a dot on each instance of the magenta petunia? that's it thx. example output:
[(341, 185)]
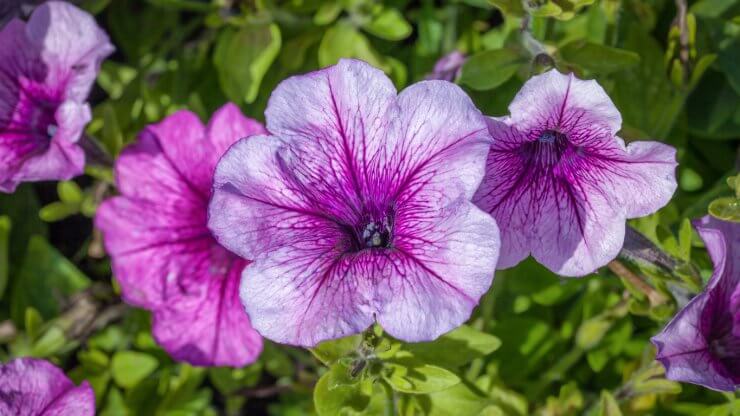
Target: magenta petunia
[(163, 254), (448, 67), (33, 387), (47, 67), (561, 183), (357, 208), (701, 344)]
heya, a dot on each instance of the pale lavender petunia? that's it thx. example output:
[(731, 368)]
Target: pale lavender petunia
[(47, 67), (33, 387), (701, 344), (164, 256), (448, 67), (561, 183), (357, 208)]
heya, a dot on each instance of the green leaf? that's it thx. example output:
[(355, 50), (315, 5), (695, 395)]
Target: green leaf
[(459, 399), (50, 342), (32, 323), (21, 207), (331, 401), (130, 367), (657, 386), (599, 59), (489, 69), (69, 192), (411, 376), (592, 331), (45, 280), (243, 57), (57, 211), (466, 342), (330, 351), (5, 226), (388, 24), (727, 208), (509, 7), (343, 41), (608, 405), (327, 12)]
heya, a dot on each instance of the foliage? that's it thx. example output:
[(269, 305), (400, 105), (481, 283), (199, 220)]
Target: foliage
[(537, 344)]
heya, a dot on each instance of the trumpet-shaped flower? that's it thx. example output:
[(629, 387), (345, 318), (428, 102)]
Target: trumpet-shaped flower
[(701, 344), (163, 254), (32, 387), (47, 67), (357, 208), (559, 181)]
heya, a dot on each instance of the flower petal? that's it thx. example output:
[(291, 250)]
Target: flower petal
[(207, 325), (33, 387), (434, 287), (72, 45), (556, 101), (227, 126)]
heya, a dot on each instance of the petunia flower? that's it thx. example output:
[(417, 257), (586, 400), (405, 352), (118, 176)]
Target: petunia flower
[(357, 208), (163, 255), (33, 387), (448, 67), (701, 344), (47, 67), (561, 183)]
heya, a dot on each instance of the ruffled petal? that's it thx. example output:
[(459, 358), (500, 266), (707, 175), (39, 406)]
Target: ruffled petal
[(556, 101), (207, 324), (33, 387), (72, 46), (227, 126), (441, 265)]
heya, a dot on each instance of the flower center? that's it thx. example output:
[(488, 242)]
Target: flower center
[(376, 234)]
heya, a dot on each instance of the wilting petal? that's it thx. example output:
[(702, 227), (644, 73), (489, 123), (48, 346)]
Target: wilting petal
[(47, 67), (561, 184), (701, 344), (163, 254), (32, 387), (206, 325), (352, 174)]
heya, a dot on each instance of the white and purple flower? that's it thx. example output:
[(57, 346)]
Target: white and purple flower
[(701, 344), (164, 256), (47, 67), (561, 183), (33, 387), (357, 208)]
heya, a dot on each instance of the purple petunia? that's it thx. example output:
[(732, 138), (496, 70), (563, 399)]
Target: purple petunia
[(33, 387), (47, 67), (559, 181), (448, 67), (701, 344), (357, 208), (164, 256)]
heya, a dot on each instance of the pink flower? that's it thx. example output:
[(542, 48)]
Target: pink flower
[(32, 387), (47, 67), (357, 208), (701, 344), (164, 257), (561, 183)]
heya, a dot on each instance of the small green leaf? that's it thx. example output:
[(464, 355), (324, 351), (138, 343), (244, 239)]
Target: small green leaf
[(467, 343), (131, 367), (608, 405), (657, 386), (32, 322), (489, 69), (343, 41), (94, 360), (242, 59), (69, 192), (331, 401), (330, 351), (50, 342), (410, 376), (509, 7), (57, 211), (388, 24), (459, 399), (600, 59), (592, 331), (327, 12), (727, 208)]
